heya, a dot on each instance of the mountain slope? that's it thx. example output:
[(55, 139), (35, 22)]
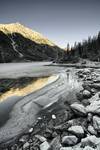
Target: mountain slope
[(18, 43)]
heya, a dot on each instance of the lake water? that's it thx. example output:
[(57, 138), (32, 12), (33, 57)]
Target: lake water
[(7, 105)]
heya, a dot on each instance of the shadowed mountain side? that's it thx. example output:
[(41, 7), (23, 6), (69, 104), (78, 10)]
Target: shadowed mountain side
[(15, 47)]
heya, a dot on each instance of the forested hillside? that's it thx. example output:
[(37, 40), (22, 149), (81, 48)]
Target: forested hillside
[(88, 49)]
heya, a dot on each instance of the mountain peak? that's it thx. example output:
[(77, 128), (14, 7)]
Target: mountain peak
[(26, 32), (19, 43)]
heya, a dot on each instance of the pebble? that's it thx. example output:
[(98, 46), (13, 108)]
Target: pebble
[(53, 116), (39, 118), (30, 130)]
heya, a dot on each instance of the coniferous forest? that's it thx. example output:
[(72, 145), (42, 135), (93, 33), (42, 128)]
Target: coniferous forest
[(87, 49)]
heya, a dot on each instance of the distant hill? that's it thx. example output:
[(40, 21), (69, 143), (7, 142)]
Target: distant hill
[(19, 43)]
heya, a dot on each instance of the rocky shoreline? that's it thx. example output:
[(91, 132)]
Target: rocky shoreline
[(66, 125)]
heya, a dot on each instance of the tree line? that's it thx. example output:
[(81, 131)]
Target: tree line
[(87, 49)]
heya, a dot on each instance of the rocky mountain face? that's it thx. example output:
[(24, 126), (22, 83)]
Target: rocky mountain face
[(18, 43)]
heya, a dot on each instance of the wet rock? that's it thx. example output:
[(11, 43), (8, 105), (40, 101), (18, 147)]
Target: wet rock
[(44, 146), (69, 140), (86, 94), (91, 141), (94, 108), (96, 123), (26, 145), (40, 138), (55, 144), (77, 130), (91, 130), (79, 109)]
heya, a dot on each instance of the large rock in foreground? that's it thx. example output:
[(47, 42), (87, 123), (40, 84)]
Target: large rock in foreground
[(79, 109), (77, 130), (69, 140)]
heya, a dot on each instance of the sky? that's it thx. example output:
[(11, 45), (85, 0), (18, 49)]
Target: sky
[(61, 21)]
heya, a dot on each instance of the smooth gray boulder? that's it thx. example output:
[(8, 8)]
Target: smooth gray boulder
[(69, 140), (79, 109), (77, 130)]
